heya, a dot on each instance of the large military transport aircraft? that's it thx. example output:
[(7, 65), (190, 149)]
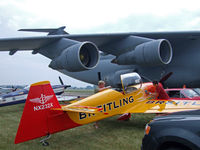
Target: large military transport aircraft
[(151, 54)]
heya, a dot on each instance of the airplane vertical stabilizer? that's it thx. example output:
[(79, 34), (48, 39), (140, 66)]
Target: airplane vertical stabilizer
[(38, 119)]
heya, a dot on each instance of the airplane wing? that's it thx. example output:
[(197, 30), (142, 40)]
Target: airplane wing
[(104, 41), (26, 43), (31, 43), (109, 43), (164, 106)]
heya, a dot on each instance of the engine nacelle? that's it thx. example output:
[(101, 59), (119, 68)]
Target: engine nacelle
[(78, 57), (155, 52)]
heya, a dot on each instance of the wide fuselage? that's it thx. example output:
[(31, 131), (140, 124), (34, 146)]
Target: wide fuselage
[(184, 65)]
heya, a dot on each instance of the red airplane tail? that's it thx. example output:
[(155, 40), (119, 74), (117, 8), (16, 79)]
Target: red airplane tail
[(38, 119)]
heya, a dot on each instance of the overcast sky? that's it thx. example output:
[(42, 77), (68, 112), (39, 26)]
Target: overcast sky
[(82, 17)]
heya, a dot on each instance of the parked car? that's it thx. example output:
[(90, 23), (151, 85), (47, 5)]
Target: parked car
[(183, 93), (177, 131)]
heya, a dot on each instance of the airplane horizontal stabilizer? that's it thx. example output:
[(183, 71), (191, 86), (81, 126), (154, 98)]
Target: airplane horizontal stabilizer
[(78, 108)]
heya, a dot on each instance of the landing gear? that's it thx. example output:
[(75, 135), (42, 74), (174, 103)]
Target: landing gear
[(44, 142)]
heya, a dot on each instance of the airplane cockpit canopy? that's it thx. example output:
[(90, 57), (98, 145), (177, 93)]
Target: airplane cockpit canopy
[(131, 82)]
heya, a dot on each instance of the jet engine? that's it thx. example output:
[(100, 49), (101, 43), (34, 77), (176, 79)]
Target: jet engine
[(155, 52), (78, 57)]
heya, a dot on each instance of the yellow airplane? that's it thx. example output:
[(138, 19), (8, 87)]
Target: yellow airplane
[(43, 115)]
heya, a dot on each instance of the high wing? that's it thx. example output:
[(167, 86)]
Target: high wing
[(104, 41), (32, 43), (26, 43)]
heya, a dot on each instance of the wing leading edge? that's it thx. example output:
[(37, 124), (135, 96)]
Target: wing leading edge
[(101, 40), (27, 43)]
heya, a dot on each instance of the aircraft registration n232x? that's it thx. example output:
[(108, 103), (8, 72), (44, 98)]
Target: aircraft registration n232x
[(43, 115)]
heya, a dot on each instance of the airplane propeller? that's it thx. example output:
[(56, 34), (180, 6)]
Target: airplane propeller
[(62, 83), (162, 80), (14, 89), (166, 77)]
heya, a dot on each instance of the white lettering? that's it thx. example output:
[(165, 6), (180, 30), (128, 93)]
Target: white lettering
[(42, 107)]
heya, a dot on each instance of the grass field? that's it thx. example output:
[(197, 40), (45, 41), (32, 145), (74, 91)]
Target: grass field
[(111, 134)]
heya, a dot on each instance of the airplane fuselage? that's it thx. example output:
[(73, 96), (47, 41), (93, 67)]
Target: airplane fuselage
[(114, 102), (184, 66)]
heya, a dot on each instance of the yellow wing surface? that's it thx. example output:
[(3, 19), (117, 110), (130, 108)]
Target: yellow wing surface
[(164, 106)]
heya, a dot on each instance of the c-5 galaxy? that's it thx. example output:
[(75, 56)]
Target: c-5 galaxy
[(94, 57)]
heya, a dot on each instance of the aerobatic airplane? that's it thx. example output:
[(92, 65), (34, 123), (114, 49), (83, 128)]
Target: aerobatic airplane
[(43, 115), (19, 96), (149, 54)]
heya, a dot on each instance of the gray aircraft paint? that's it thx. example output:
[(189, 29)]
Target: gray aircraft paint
[(184, 64)]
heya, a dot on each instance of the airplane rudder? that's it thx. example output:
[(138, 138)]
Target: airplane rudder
[(45, 93)]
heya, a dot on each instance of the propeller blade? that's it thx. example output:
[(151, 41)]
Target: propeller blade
[(164, 78), (66, 86), (145, 78), (61, 82)]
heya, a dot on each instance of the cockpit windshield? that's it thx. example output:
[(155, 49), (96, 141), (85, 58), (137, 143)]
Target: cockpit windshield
[(131, 82), (197, 90)]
